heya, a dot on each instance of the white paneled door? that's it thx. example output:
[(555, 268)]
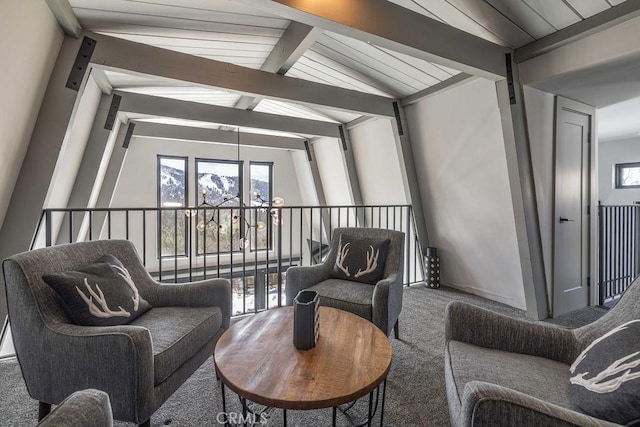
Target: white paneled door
[(572, 199)]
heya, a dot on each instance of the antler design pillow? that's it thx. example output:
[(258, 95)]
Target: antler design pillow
[(100, 294), (605, 378), (360, 259)]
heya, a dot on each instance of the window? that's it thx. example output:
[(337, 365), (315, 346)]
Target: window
[(261, 174), (172, 193), (627, 175), (220, 182)]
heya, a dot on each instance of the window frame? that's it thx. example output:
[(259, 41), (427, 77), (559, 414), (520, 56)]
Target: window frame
[(159, 159), (240, 164), (269, 223), (619, 167)]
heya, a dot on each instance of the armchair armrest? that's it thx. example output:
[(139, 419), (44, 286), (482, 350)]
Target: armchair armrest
[(475, 325), (387, 300), (299, 278), (206, 293), (115, 359), (485, 404), (82, 409)]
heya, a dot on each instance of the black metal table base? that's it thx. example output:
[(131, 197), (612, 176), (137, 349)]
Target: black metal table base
[(257, 415)]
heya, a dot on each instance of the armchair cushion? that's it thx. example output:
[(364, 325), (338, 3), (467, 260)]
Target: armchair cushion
[(538, 377), (605, 381), (99, 294), (361, 259), (354, 297), (177, 334)]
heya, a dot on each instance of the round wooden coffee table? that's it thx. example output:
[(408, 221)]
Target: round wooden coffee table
[(256, 359)]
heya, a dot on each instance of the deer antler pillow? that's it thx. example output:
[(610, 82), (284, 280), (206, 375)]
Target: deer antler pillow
[(100, 294), (360, 259), (605, 378)]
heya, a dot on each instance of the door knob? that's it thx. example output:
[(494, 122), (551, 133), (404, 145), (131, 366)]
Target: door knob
[(562, 219)]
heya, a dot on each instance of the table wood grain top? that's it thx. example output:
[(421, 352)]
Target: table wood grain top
[(256, 358)]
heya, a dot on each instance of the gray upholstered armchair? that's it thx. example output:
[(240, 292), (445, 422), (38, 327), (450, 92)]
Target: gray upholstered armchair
[(503, 371), (138, 365), (86, 408), (380, 303)]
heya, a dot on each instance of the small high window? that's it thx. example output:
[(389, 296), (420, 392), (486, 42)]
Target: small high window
[(627, 175)]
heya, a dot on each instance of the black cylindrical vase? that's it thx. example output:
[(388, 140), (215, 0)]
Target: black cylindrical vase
[(305, 319), (432, 268)]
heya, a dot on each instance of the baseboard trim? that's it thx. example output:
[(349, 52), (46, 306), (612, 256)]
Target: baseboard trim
[(481, 293)]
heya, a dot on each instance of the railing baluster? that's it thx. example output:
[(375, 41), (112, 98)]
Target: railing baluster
[(194, 243), (70, 226), (175, 246)]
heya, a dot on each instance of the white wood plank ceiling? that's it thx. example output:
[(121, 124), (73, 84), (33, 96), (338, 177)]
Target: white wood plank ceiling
[(230, 31)]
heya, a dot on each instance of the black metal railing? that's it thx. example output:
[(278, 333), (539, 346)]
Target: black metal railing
[(251, 246), (619, 248)]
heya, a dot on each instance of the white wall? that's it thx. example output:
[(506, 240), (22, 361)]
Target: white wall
[(29, 42), (540, 109), (137, 183), (378, 164), (610, 154), (71, 152), (461, 165), (333, 171)]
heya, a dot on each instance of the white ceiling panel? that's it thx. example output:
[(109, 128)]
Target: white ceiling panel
[(399, 77), (188, 93), (292, 110), (217, 32), (105, 20), (524, 16), (439, 72), (315, 67), (232, 12), (337, 115), (449, 14), (148, 85), (484, 14), (557, 13), (588, 8)]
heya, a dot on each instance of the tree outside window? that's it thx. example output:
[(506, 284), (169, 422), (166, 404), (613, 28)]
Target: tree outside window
[(627, 175), (261, 175), (172, 193)]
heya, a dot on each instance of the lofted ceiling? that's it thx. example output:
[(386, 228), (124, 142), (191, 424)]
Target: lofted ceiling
[(234, 32)]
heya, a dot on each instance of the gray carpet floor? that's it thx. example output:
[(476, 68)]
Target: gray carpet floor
[(415, 387)]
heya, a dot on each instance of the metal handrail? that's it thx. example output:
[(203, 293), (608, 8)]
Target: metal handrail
[(194, 257)]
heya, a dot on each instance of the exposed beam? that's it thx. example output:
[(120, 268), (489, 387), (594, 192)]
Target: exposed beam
[(443, 86), (89, 168), (408, 166), (188, 133), (167, 107), (523, 194), (101, 79), (352, 173), (63, 13), (608, 18), (120, 54), (388, 25), (317, 180), (295, 41)]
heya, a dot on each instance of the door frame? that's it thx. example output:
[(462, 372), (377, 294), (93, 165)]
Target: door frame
[(562, 103)]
